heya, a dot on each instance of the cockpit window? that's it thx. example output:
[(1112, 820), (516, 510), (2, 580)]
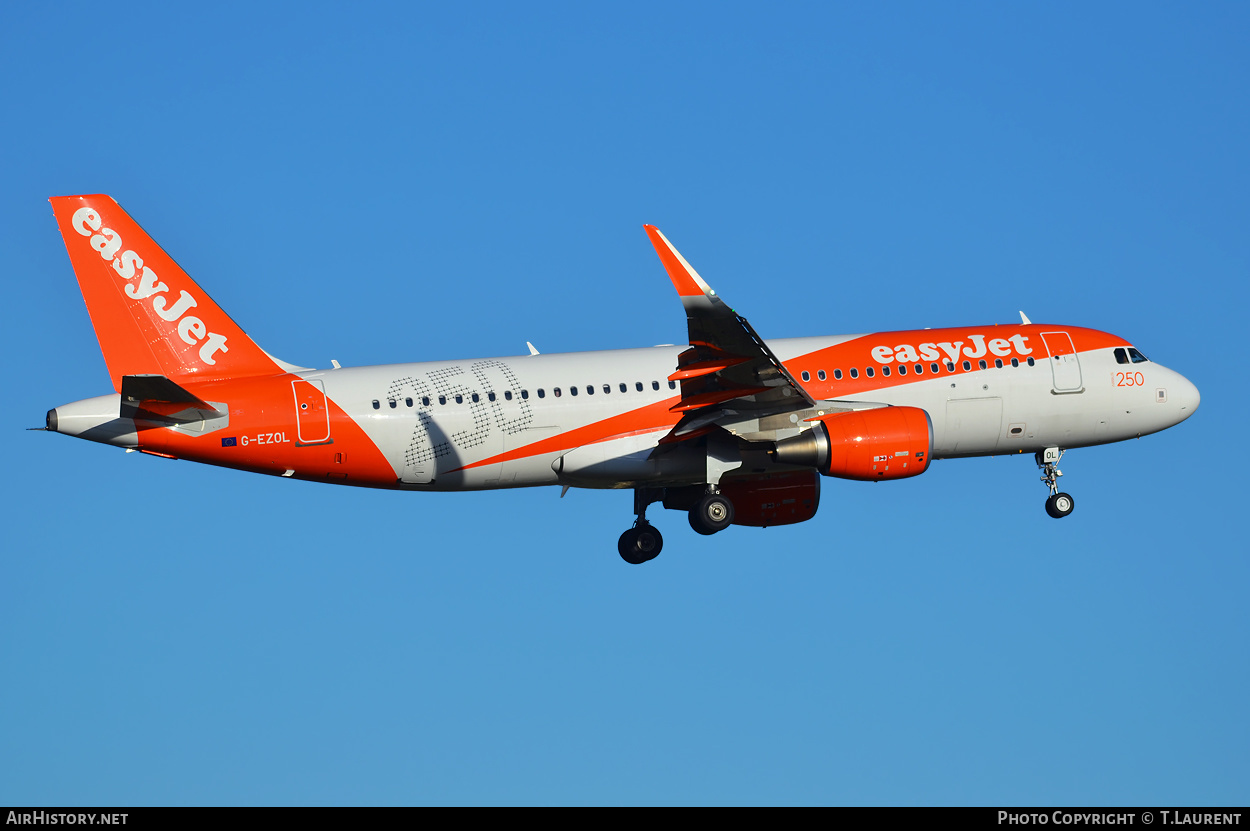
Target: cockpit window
[(1121, 356), (1138, 358)]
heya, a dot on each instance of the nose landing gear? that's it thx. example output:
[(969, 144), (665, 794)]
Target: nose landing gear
[(1058, 505)]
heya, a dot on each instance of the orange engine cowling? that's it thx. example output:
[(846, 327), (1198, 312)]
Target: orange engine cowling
[(870, 445)]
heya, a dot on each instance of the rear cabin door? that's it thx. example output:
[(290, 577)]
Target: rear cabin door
[(312, 414), (1063, 361)]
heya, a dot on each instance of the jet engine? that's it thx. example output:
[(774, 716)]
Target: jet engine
[(869, 445)]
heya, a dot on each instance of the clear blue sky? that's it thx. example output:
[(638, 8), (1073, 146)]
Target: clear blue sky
[(381, 183)]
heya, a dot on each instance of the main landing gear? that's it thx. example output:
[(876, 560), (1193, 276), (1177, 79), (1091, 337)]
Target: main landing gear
[(710, 512), (642, 542), (1058, 505)]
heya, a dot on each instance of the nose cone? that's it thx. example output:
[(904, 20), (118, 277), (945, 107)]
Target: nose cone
[(1187, 397)]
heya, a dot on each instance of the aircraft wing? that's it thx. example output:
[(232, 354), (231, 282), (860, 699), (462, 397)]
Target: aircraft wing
[(728, 371)]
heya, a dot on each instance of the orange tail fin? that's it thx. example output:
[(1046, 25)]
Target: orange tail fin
[(149, 316)]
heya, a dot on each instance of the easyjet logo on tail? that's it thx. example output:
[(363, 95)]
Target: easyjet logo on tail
[(906, 353), (129, 265)]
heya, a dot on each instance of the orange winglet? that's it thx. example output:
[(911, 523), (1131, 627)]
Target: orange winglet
[(685, 279)]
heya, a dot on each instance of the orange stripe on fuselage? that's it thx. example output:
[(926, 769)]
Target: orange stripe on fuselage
[(973, 343), (646, 419)]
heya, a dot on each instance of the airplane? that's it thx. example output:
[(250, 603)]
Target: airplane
[(730, 428)]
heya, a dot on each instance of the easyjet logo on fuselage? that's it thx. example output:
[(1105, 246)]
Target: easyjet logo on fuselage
[(906, 353), (128, 265)]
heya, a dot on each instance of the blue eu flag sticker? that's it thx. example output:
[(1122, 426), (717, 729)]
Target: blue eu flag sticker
[(230, 442)]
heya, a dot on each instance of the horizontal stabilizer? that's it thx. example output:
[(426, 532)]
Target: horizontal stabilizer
[(155, 395)]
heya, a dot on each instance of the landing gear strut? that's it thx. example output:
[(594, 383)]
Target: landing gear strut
[(1058, 505), (643, 541)]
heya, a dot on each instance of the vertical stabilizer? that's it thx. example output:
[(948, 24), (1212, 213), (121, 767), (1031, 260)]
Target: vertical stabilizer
[(149, 316)]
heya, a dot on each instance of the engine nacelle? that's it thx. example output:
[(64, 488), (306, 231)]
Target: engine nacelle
[(869, 445)]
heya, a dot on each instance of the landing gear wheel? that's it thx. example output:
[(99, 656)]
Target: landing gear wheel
[(712, 513), (1060, 505), (640, 544)]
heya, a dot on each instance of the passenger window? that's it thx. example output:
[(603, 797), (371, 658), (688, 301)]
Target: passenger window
[(525, 394), (590, 389), (982, 363), (459, 398), (821, 375), (933, 368), (998, 363), (807, 376), (542, 393), (885, 371), (854, 372), (490, 396), (672, 385), (1030, 360), (1015, 362), (408, 402), (638, 385), (572, 390), (376, 404), (475, 398), (902, 369), (442, 399), (950, 366), (392, 402), (624, 388), (837, 375), (507, 395), (425, 401), (655, 385), (967, 366), (556, 392), (1138, 358), (1121, 356), (920, 369), (869, 372)]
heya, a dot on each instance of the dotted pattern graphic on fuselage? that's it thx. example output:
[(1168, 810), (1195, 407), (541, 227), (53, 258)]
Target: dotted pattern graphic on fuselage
[(525, 414), (429, 441), (422, 448)]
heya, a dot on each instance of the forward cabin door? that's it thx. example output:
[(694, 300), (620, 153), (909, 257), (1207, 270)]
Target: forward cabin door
[(1063, 361)]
